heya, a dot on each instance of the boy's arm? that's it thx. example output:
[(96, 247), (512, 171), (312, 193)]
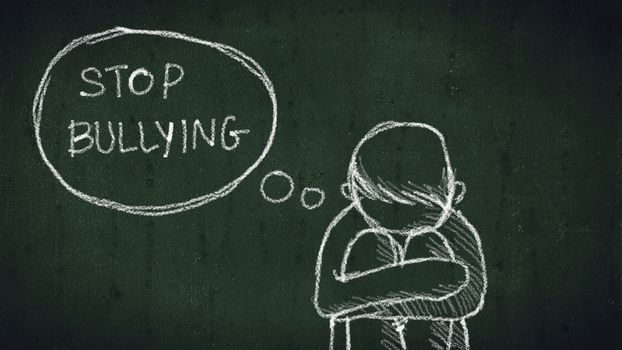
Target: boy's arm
[(460, 243), (389, 283), (465, 242), (371, 292)]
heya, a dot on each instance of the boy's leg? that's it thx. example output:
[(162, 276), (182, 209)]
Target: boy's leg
[(397, 334), (449, 335), (368, 334), (339, 338), (394, 334)]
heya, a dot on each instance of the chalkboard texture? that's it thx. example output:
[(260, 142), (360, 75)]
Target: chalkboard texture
[(527, 95)]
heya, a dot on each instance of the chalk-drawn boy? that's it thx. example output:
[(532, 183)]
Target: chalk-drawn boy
[(400, 251)]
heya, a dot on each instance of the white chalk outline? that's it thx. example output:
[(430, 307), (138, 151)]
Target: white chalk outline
[(399, 252), (353, 173), (312, 189), (153, 210), (277, 173)]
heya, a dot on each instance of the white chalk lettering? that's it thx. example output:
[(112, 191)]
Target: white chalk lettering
[(198, 127), (142, 136), (97, 138), (102, 88), (142, 140), (94, 85), (121, 148), (171, 78), (117, 73), (167, 83), (168, 136), (130, 81), (184, 128), (73, 138), (232, 133)]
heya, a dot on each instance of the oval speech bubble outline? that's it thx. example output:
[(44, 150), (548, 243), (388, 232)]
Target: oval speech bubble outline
[(153, 210)]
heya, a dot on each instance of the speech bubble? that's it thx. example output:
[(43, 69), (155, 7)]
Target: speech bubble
[(167, 116)]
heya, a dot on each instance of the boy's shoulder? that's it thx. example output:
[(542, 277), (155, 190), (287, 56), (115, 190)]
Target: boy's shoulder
[(457, 223)]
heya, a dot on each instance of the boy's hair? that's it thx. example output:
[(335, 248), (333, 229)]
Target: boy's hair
[(407, 193)]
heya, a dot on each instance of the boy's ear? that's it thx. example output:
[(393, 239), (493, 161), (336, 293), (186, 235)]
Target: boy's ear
[(345, 191), (460, 191)]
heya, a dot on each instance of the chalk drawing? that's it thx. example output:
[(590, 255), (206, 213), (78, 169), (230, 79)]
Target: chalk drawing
[(450, 241), (303, 198), (282, 174), (303, 195), (150, 210)]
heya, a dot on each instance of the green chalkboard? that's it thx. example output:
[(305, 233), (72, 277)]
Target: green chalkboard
[(229, 175)]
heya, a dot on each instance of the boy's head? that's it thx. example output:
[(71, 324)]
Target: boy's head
[(400, 177)]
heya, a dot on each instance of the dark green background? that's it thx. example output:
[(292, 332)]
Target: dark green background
[(527, 94)]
